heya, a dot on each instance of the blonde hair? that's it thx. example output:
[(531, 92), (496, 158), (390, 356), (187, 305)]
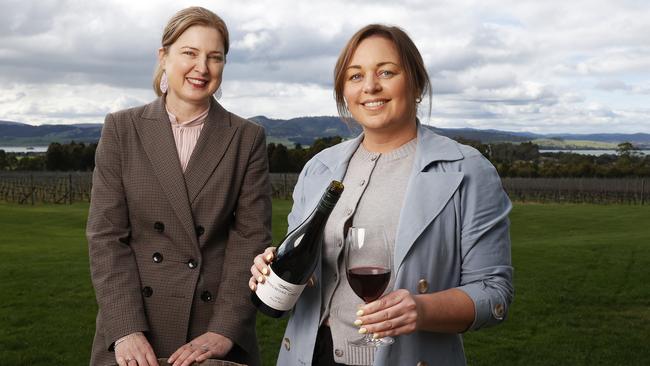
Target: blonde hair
[(179, 23), (417, 77)]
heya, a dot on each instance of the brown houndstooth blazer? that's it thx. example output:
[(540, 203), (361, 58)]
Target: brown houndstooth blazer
[(170, 252)]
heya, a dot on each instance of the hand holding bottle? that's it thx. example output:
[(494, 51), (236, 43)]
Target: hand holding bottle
[(260, 267)]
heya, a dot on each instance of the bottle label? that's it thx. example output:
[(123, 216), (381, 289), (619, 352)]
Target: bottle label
[(278, 293)]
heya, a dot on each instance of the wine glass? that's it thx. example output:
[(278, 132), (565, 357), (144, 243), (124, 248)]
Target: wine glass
[(368, 264)]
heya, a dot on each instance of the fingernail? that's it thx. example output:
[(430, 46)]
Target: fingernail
[(265, 271), (358, 322), (252, 287), (375, 336), (360, 312), (269, 257), (260, 279), (363, 330)]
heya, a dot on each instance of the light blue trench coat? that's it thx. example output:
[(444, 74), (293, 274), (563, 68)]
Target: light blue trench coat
[(452, 233)]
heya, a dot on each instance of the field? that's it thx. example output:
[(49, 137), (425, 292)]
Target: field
[(581, 278)]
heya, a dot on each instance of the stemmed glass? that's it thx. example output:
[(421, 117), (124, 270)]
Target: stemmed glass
[(368, 264)]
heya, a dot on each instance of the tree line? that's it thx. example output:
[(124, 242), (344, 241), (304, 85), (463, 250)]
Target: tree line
[(522, 160)]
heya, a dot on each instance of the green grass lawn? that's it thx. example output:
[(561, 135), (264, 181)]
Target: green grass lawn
[(581, 278)]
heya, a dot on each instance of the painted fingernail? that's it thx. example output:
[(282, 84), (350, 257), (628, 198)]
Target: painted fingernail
[(363, 330), (375, 336), (265, 271), (269, 257), (358, 322), (260, 279), (360, 312)]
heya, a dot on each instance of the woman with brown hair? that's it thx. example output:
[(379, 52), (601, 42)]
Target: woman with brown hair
[(180, 203), (442, 207)]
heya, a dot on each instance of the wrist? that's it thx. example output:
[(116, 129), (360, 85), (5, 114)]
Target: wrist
[(120, 340)]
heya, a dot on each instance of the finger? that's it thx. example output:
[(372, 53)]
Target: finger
[(269, 254), (252, 284), (186, 352), (175, 355), (260, 265), (191, 358), (384, 302), (406, 329), (141, 359), (120, 361), (204, 356), (132, 363), (151, 358)]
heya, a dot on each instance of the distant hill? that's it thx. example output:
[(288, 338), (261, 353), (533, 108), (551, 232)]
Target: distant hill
[(305, 130)]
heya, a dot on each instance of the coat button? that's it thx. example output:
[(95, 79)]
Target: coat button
[(423, 286), (159, 226), (147, 291), (287, 344), (199, 230), (206, 296), (498, 311), (192, 263), (338, 353), (422, 363), (157, 257)]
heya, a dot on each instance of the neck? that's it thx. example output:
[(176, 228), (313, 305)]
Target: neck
[(184, 111), (389, 140)]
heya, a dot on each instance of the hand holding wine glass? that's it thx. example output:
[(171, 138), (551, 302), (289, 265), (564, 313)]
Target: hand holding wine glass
[(368, 266)]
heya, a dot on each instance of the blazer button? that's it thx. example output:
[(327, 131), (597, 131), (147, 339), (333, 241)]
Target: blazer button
[(157, 257), (192, 263), (338, 353), (287, 344), (147, 291), (159, 226), (206, 296), (199, 230), (423, 286)]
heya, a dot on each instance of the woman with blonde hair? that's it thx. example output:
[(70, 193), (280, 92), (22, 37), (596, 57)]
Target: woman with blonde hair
[(180, 202)]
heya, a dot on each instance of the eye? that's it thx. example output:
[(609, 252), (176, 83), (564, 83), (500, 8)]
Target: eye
[(355, 77), (386, 74), (189, 53), (216, 58)]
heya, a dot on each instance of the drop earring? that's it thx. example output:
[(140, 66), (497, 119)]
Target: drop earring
[(163, 83)]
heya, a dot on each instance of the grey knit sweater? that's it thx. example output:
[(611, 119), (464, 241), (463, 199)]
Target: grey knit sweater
[(375, 185)]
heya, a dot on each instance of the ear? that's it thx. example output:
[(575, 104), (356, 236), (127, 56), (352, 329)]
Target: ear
[(162, 56)]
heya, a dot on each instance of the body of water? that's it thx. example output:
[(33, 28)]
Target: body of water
[(24, 149), (593, 152)]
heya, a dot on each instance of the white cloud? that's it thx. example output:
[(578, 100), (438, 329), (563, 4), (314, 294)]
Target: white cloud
[(554, 66)]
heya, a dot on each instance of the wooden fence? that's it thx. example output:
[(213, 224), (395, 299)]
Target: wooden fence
[(66, 188)]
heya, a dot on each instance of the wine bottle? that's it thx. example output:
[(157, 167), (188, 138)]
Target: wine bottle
[(296, 259)]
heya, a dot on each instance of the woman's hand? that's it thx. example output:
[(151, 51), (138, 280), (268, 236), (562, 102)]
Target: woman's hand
[(260, 267), (393, 314), (135, 350), (201, 348)]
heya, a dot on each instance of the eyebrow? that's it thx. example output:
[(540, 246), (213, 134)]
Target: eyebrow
[(378, 65), (196, 49)]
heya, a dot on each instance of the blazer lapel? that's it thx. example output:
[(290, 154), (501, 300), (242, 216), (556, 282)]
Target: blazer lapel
[(154, 130), (427, 192), (215, 137)]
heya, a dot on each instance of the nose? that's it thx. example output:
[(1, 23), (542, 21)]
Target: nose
[(371, 84), (201, 65)]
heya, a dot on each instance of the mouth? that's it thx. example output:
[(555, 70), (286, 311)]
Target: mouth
[(197, 83), (374, 103)]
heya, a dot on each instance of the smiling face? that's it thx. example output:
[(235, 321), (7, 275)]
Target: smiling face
[(194, 66), (376, 89)]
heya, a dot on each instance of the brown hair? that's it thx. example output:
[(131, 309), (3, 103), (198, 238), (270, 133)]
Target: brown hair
[(416, 73), (179, 23)]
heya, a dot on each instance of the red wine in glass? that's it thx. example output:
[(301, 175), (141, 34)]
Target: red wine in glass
[(368, 263), (368, 282)]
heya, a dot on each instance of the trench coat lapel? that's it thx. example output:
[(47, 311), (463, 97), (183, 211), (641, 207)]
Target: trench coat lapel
[(428, 190), (216, 135), (155, 132)]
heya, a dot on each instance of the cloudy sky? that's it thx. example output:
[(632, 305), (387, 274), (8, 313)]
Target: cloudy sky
[(542, 66)]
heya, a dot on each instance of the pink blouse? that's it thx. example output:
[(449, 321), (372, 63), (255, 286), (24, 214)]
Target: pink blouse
[(186, 134)]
